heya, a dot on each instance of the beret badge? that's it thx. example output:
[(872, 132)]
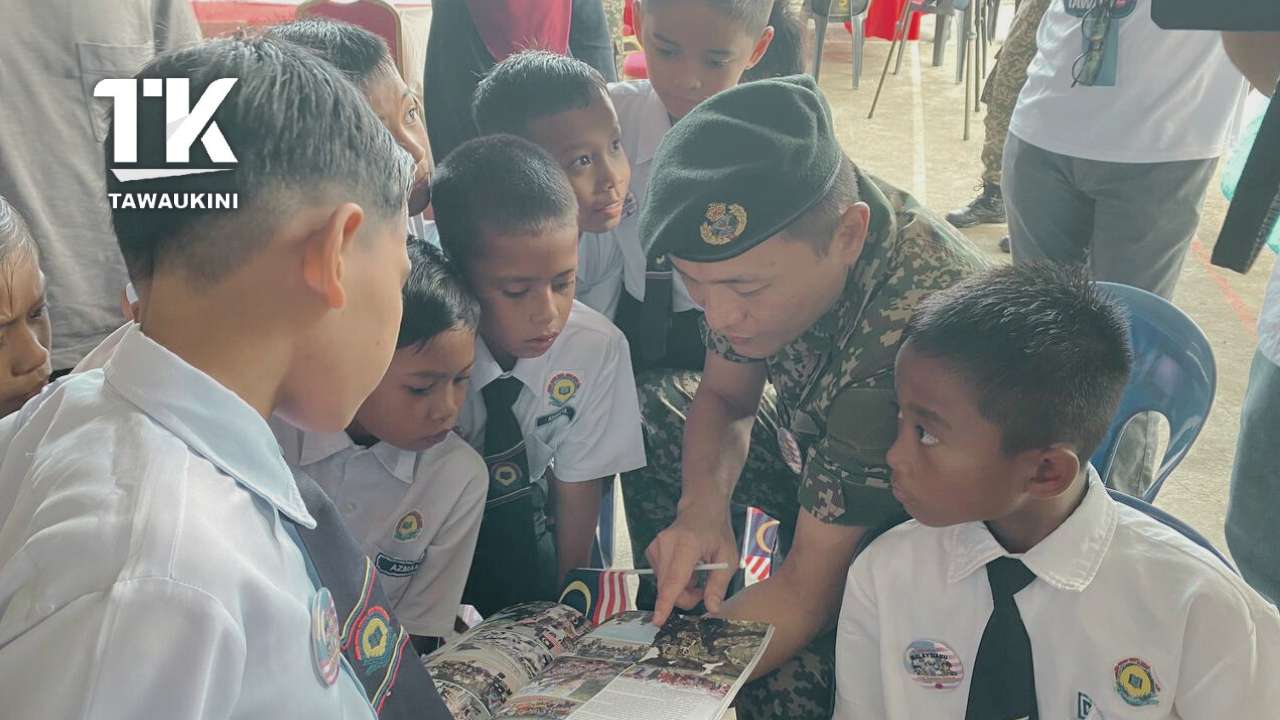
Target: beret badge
[(725, 223)]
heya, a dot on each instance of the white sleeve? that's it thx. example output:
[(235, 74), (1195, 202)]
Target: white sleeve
[(605, 437), (147, 647), (431, 599), (859, 691), (1230, 657)]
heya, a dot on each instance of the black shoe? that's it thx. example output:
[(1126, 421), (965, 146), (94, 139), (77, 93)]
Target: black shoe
[(1004, 245), (986, 209)]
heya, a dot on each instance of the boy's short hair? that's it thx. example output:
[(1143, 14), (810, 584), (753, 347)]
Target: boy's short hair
[(1047, 353), (358, 53), (435, 298), (15, 235), (753, 14), (299, 130), (531, 85), (498, 184)]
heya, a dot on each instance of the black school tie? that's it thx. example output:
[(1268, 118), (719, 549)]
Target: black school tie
[(503, 438), (1004, 681), (646, 323)]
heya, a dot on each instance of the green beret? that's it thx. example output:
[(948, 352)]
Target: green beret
[(739, 168)]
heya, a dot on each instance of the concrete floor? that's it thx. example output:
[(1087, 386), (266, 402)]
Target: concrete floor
[(915, 142)]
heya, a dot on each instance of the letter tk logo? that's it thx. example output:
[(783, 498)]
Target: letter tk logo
[(184, 125)]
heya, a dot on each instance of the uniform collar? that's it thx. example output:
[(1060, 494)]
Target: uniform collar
[(318, 446), (214, 423), (652, 125), (1068, 559), (529, 371)]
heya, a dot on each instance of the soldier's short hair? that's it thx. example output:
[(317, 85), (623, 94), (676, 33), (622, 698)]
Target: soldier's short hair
[(818, 224), (1046, 352)]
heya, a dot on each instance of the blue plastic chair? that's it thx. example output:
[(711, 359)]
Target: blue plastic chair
[(1170, 521), (1173, 374)]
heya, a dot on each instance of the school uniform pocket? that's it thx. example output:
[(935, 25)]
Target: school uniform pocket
[(100, 62)]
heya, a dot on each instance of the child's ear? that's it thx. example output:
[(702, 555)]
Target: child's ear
[(762, 47), (324, 253), (1056, 469), (851, 233)]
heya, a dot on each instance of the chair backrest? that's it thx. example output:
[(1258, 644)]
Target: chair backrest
[(1170, 521), (837, 9), (1173, 374), (377, 16)]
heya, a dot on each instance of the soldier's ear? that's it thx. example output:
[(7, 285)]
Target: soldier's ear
[(851, 233)]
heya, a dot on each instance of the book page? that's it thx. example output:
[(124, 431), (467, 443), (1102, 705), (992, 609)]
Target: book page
[(484, 667), (627, 669)]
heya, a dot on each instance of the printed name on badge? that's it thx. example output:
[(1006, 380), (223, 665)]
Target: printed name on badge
[(395, 567)]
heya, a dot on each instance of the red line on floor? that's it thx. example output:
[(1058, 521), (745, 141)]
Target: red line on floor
[(1247, 316)]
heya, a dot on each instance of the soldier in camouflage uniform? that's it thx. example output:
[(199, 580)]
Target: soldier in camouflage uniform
[(1001, 95), (826, 417)]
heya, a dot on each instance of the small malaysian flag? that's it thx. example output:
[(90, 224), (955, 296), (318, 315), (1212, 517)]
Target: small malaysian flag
[(597, 594), (759, 543)]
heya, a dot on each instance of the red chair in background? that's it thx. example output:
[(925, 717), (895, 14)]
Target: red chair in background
[(376, 16), (633, 64)]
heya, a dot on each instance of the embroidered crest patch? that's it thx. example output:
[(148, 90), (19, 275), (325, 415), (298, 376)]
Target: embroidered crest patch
[(725, 223), (933, 665), (1136, 682), (506, 473), (375, 639), (409, 527), (562, 388)]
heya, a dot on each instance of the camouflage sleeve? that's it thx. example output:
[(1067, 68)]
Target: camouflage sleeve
[(846, 477), (716, 343)]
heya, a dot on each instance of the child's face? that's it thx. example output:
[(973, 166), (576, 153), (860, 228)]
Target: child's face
[(401, 113), (24, 331), (525, 284), (947, 462), (587, 142), (416, 404), (693, 51)]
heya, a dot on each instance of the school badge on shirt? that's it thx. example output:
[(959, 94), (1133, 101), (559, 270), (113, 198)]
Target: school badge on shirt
[(933, 665), (409, 527), (562, 388), (326, 647), (1136, 682)]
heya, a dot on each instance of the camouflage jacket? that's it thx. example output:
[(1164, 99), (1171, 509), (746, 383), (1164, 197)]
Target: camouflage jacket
[(835, 383)]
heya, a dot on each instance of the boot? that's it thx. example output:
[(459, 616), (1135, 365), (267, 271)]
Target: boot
[(987, 208)]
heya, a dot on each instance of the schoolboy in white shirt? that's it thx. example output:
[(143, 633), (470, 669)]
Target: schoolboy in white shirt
[(152, 562), (1021, 588), (552, 406), (406, 486)]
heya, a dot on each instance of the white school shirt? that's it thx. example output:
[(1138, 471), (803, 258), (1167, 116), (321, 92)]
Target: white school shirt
[(1127, 619), (1175, 94), (592, 433), (146, 568), (644, 121), (601, 267), (416, 514)]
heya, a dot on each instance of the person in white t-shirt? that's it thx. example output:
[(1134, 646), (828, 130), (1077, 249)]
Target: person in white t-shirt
[(1114, 140), (1022, 588), (552, 405), (409, 489)]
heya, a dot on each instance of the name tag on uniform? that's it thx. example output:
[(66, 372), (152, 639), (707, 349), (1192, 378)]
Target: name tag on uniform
[(395, 567)]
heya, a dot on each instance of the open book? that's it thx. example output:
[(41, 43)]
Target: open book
[(542, 661)]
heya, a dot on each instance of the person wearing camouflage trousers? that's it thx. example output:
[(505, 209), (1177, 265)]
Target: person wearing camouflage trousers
[(1000, 93)]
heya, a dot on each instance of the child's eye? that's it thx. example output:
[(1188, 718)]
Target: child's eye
[(419, 391), (564, 286), (461, 379), (412, 116), (37, 312), (515, 294), (580, 162), (753, 291), (666, 52), (616, 145), (925, 438), (717, 64)]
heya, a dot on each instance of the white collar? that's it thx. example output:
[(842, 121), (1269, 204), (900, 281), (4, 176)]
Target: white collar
[(1067, 559), (653, 123), (529, 371), (318, 446)]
